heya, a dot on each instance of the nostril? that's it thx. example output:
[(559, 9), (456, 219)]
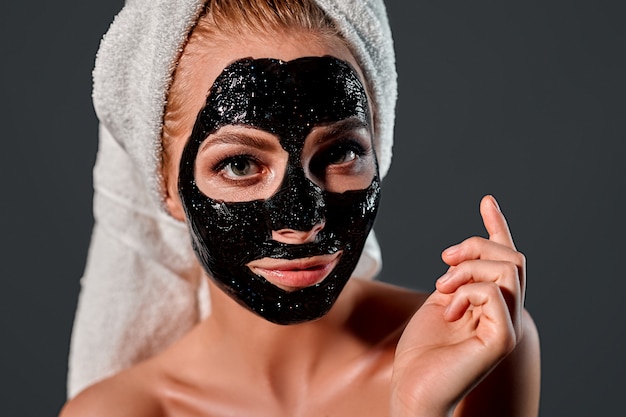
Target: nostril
[(296, 237)]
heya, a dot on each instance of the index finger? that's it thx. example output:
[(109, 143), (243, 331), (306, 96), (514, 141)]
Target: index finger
[(495, 223)]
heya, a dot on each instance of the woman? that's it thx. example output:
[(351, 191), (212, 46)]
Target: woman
[(275, 134)]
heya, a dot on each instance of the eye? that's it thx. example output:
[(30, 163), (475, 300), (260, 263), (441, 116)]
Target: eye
[(341, 152), (341, 155), (239, 167)]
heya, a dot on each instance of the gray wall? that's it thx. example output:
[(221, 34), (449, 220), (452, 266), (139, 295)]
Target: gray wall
[(523, 101)]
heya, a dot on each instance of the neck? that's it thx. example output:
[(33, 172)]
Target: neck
[(267, 351)]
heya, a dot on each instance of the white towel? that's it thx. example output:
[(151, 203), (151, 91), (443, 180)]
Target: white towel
[(142, 288)]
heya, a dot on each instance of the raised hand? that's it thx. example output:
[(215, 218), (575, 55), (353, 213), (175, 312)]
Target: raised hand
[(466, 327)]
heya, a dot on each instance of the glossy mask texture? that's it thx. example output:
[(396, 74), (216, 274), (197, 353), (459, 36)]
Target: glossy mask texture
[(286, 99)]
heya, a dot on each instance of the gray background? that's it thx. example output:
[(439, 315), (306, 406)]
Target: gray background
[(525, 101)]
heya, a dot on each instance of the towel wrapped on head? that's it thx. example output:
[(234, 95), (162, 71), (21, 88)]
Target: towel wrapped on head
[(143, 288)]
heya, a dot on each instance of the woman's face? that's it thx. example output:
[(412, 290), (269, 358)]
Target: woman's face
[(278, 178)]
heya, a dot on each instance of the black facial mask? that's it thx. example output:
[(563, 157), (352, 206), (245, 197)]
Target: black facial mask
[(286, 99)]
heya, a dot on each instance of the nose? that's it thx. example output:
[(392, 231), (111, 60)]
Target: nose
[(297, 208), (297, 237)]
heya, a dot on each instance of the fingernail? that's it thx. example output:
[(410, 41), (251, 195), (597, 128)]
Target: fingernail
[(495, 204)]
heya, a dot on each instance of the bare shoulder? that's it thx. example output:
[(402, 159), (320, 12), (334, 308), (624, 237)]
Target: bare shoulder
[(383, 309), (513, 387), (120, 395)]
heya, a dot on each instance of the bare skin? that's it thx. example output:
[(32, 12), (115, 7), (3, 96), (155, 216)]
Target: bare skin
[(467, 349), (340, 365)]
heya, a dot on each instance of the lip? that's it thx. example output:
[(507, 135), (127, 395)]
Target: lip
[(295, 274)]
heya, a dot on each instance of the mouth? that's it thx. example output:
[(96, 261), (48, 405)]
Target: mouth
[(295, 274)]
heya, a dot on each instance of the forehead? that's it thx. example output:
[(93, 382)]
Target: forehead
[(284, 98)]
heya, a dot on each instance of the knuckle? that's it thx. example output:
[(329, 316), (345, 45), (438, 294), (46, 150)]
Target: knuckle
[(520, 259), (474, 240), (492, 289)]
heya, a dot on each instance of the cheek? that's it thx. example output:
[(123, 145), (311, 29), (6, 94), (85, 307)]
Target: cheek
[(358, 177)]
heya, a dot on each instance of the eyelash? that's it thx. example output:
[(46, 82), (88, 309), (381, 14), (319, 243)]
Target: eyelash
[(233, 158), (224, 163), (352, 145), (320, 162), (340, 146)]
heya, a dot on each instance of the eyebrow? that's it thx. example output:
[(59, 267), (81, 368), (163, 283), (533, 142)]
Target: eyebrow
[(251, 137), (343, 126)]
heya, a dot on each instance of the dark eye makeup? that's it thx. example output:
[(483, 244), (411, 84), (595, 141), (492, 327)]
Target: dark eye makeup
[(344, 151), (338, 152)]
